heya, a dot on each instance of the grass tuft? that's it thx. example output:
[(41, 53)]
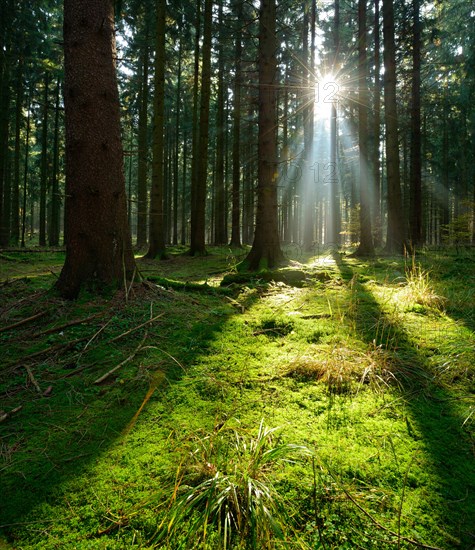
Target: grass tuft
[(418, 289), (226, 493)]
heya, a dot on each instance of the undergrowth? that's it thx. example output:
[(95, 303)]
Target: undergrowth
[(149, 420)]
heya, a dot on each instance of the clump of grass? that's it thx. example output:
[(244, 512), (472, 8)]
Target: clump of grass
[(338, 370), (232, 502), (418, 289)]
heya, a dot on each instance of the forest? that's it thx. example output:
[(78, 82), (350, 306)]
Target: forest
[(237, 274)]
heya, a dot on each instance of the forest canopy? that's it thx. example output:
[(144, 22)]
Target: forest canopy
[(374, 123)]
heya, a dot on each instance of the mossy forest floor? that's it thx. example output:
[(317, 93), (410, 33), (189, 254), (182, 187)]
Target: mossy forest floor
[(365, 367)]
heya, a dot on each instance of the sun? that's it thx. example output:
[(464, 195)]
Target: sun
[(327, 90)]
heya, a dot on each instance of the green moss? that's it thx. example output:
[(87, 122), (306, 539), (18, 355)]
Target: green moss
[(379, 390)]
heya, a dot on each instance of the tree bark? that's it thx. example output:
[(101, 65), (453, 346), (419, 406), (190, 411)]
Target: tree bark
[(98, 243), (366, 247), (219, 203), (198, 204), (236, 168), (44, 162), (334, 225), (266, 251), (53, 226), (15, 191), (395, 231), (157, 234), (5, 196), (376, 164), (416, 160), (143, 144)]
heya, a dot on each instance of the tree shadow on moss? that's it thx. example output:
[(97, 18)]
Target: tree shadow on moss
[(59, 437), (435, 414)]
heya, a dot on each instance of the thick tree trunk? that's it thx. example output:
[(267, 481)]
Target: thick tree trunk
[(395, 233), (98, 243), (366, 247), (157, 234), (266, 251)]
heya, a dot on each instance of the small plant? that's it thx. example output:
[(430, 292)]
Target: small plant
[(233, 503), (275, 326), (418, 289)]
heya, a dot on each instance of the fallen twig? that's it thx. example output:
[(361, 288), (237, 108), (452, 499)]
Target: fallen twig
[(32, 378), (5, 415), (51, 349), (23, 321), (67, 325), (104, 326), (122, 363), (116, 338)]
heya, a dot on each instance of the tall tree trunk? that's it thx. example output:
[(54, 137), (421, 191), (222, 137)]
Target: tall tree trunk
[(196, 102), (177, 145), (236, 169), (334, 225), (98, 243), (53, 226), (416, 160), (366, 247), (198, 203), (308, 131), (5, 183), (25, 174), (184, 208), (157, 234), (44, 163), (220, 208), (142, 170), (15, 194), (249, 193), (266, 251), (395, 233), (376, 162)]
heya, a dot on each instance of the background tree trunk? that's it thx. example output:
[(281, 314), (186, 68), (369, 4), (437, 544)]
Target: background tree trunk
[(366, 247), (198, 202), (266, 251), (236, 168), (142, 170), (44, 162), (157, 234), (376, 162), (53, 226), (395, 233), (415, 170), (220, 236)]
